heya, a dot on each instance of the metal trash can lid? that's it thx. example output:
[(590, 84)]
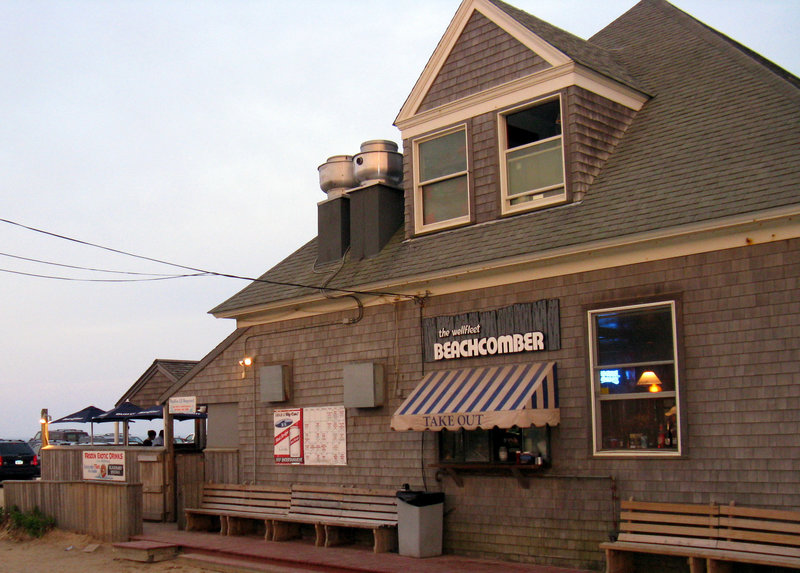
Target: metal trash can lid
[(420, 498)]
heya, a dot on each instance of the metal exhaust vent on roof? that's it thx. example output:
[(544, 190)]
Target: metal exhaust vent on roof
[(380, 162), (337, 175)]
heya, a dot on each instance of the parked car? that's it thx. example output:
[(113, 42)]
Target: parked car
[(58, 437), (18, 460)]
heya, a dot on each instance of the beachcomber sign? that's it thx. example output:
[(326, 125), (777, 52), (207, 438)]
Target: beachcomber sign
[(525, 327)]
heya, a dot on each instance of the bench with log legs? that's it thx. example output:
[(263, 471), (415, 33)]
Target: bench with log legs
[(336, 511), (237, 509), (711, 537)]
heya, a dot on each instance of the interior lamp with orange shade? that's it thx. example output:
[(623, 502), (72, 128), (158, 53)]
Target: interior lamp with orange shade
[(649, 378)]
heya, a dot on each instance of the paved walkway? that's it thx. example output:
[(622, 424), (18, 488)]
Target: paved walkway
[(303, 555)]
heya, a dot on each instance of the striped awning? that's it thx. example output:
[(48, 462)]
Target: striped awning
[(521, 395)]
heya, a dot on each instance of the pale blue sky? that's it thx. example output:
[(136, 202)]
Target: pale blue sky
[(191, 131)]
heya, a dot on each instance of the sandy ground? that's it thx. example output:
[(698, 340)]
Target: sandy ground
[(65, 552)]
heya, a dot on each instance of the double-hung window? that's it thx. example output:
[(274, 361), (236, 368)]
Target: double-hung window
[(442, 182), (532, 157), (634, 365)]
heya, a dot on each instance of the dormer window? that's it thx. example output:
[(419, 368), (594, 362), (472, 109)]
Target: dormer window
[(532, 157), (441, 180)]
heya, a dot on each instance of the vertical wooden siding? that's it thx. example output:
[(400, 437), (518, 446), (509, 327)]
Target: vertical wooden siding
[(65, 463), (189, 477), (108, 511), (222, 465)]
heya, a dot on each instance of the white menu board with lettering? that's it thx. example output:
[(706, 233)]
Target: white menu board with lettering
[(325, 436)]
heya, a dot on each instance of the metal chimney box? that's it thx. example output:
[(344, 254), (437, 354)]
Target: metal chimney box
[(333, 229), (376, 212)]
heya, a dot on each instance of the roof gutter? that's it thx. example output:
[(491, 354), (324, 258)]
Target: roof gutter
[(731, 232)]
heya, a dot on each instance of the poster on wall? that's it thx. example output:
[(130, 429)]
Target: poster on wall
[(288, 436), (311, 436), (104, 466), (325, 435)]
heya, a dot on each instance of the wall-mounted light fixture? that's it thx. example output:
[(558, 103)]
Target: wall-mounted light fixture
[(245, 363), (649, 378)]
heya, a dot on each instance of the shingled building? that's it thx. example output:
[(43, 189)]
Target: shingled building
[(577, 283)]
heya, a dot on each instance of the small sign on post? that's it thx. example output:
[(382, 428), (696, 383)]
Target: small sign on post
[(183, 405)]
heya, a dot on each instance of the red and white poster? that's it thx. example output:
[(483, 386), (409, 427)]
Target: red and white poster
[(288, 436), (311, 436)]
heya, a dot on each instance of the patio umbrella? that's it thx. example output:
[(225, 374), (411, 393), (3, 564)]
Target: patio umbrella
[(125, 412), (85, 416)]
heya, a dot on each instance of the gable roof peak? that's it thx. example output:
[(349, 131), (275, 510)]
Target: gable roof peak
[(555, 46)]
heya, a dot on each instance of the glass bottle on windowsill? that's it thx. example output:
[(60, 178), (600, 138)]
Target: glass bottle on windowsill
[(668, 439)]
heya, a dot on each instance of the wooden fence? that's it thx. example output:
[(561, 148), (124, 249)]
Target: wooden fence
[(221, 465), (106, 510), (66, 462)]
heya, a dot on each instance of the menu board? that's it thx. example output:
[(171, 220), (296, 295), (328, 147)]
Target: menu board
[(325, 435), (310, 436)]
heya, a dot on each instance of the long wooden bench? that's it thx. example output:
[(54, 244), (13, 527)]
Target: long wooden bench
[(336, 511), (237, 509), (711, 537)]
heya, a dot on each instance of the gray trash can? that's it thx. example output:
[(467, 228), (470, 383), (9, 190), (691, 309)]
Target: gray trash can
[(419, 523)]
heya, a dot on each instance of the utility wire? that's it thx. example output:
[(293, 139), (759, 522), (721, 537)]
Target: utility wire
[(154, 278), (206, 272), (90, 268)]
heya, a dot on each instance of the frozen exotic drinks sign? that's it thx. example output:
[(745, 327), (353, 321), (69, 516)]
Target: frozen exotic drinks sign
[(104, 465), (525, 327)]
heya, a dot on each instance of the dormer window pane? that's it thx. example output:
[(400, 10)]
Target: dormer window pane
[(536, 166), (445, 200), (532, 150), (442, 182), (442, 156)]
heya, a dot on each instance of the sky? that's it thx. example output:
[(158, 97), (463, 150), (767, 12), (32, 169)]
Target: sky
[(190, 132)]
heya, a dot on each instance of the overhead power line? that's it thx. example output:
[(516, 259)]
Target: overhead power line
[(153, 278), (160, 275), (204, 271)]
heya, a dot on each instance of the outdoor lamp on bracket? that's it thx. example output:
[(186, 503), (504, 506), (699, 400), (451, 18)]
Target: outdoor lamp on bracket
[(245, 363)]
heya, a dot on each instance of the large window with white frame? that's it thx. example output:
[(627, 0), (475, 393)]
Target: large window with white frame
[(532, 156), (441, 180), (634, 364)]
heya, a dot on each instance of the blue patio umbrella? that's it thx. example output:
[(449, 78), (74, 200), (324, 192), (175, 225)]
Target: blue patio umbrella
[(85, 416), (122, 413), (125, 412)]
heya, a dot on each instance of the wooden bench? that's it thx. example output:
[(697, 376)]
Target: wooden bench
[(336, 511), (712, 537), (238, 509)]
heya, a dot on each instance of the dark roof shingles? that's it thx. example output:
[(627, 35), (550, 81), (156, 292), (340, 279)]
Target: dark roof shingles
[(717, 139)]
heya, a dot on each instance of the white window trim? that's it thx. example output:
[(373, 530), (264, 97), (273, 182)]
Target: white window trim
[(506, 208), (597, 397), (419, 226)]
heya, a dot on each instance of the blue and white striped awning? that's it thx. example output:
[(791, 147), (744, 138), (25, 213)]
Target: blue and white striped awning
[(521, 395)]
